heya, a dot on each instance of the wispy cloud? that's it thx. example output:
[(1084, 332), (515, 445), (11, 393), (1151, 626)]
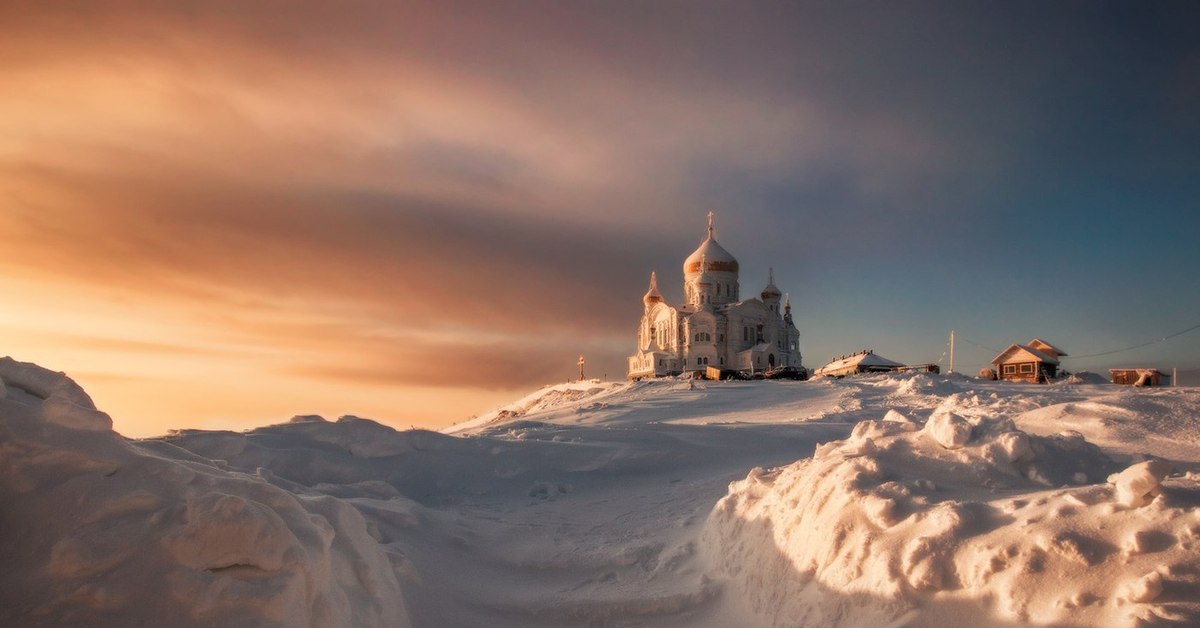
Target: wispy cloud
[(377, 194)]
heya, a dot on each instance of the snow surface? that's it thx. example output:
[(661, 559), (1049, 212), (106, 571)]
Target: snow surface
[(891, 500)]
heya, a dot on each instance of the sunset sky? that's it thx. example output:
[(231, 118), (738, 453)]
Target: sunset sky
[(223, 214)]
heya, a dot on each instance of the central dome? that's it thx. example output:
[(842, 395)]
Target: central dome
[(710, 257)]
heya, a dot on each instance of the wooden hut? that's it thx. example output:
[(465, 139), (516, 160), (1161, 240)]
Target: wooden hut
[(1036, 362), (1138, 377)]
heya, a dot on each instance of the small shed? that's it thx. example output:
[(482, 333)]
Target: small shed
[(1027, 363), (918, 368), (1138, 377), (865, 361)]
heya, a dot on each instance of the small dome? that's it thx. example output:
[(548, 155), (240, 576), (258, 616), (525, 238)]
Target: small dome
[(771, 291), (652, 295), (710, 256)]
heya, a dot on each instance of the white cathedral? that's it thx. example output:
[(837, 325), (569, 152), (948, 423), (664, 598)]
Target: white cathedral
[(713, 327)]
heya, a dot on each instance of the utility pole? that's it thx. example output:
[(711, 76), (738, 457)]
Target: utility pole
[(1174, 376), (951, 351)]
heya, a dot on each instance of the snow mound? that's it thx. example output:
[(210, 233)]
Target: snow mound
[(1164, 422), (893, 525), (100, 531), (923, 384), (1141, 483), (948, 429), (578, 395), (1085, 377), (63, 401)]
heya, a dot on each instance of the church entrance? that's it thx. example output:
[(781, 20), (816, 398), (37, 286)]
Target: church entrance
[(771, 360)]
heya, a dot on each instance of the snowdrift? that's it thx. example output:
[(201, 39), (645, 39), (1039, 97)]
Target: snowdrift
[(578, 395), (958, 522), (99, 531)]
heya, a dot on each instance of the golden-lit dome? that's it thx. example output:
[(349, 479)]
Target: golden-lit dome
[(710, 256), (771, 291)]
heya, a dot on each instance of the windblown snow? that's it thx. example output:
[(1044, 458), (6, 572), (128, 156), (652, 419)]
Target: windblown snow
[(888, 500)]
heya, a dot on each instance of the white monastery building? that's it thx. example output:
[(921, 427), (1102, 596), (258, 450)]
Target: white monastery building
[(714, 326)]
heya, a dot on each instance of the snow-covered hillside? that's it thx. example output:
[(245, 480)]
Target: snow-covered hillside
[(885, 500)]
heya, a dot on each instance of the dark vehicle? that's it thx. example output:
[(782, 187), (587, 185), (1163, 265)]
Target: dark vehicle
[(787, 372), (726, 374)]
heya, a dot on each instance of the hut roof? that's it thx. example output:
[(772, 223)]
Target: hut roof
[(1023, 353), (1045, 347)]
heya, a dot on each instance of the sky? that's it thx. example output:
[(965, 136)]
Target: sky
[(222, 214)]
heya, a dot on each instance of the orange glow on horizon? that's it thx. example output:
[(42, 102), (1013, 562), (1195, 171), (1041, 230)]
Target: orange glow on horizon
[(158, 370)]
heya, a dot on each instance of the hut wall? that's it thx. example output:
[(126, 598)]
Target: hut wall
[(1019, 372), (1130, 377)]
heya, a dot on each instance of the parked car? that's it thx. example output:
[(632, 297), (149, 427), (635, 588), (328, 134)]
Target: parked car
[(787, 372)]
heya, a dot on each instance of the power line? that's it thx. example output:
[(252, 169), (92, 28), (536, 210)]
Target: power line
[(1139, 346), (1102, 353), (969, 341)]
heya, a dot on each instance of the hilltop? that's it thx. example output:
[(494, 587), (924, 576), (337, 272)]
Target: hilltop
[(893, 499)]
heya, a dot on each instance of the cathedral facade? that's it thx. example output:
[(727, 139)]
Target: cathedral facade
[(714, 326)]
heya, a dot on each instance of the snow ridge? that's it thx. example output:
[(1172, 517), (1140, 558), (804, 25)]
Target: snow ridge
[(100, 531), (957, 523)]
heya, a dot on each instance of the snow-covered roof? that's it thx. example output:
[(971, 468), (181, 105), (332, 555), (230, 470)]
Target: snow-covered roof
[(1045, 347), (863, 358), (1022, 353)]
